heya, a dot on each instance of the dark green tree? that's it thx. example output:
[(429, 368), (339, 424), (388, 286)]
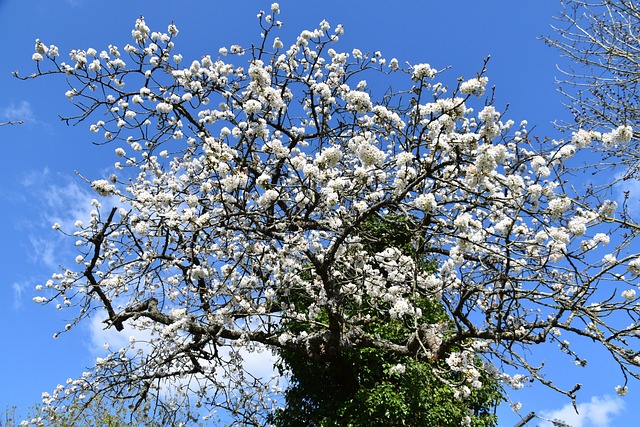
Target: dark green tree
[(373, 387)]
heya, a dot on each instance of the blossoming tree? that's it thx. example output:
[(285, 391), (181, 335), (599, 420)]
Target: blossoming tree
[(239, 204)]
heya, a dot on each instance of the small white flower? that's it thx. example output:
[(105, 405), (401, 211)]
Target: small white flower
[(622, 134), (425, 202), (268, 198), (566, 151), (398, 369), (173, 30), (40, 47), (421, 71), (634, 266), (164, 107), (608, 208), (622, 390), (629, 294), (601, 238), (252, 106), (359, 101), (95, 65), (474, 86), (103, 187), (559, 205)]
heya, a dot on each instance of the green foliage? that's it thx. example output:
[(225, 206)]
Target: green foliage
[(364, 386), (321, 396)]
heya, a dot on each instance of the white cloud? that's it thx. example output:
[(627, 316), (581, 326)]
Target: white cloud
[(67, 203), (47, 251), (599, 412), (19, 112), (62, 204), (62, 201), (18, 288), (259, 363), (101, 336), (632, 188)]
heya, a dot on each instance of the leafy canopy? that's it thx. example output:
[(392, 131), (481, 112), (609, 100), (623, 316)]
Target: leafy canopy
[(371, 387)]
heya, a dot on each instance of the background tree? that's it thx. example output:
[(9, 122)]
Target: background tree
[(241, 187), (98, 412), (601, 38)]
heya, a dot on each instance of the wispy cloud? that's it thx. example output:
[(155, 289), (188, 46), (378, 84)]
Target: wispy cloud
[(259, 363), (18, 289), (102, 336), (629, 189), (68, 202), (62, 203), (60, 200), (599, 412), (21, 111), (46, 251)]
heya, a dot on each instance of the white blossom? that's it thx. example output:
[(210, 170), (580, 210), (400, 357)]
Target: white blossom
[(608, 208), (164, 107), (268, 198), (559, 206), (629, 294), (421, 71), (475, 86), (103, 187), (359, 101), (621, 390), (252, 106), (398, 369), (425, 202), (622, 134)]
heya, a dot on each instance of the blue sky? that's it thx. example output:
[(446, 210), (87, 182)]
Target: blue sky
[(38, 186)]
